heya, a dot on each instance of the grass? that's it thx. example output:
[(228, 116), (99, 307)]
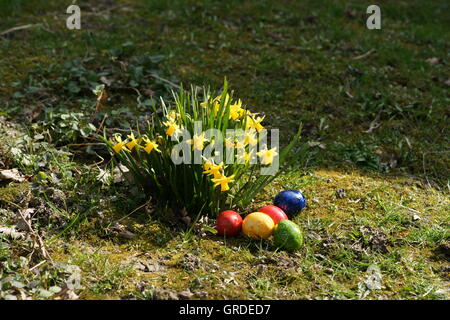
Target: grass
[(290, 60)]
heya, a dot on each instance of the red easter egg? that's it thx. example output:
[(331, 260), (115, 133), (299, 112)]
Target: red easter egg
[(229, 223), (274, 212)]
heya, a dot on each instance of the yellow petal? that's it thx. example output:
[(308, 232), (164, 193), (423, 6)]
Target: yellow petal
[(118, 147), (130, 145)]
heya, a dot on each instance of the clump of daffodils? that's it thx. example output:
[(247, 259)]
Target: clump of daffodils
[(202, 153)]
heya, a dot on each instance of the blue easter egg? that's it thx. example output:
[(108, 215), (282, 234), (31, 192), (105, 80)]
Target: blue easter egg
[(290, 201)]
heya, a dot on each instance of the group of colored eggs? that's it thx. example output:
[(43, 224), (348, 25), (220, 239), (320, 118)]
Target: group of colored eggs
[(268, 220)]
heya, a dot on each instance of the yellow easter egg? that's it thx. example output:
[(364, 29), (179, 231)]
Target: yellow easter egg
[(258, 225)]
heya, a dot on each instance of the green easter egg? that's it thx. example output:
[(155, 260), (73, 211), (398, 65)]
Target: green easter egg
[(287, 235)]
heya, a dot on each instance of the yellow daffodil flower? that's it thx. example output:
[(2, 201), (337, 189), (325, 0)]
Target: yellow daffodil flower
[(267, 156), (215, 102), (236, 111), (245, 157), (204, 104), (249, 137), (216, 107), (133, 141), (227, 98), (214, 169), (172, 127), (254, 123), (223, 181), (229, 144), (173, 116), (207, 165), (150, 145), (240, 144), (198, 141), (120, 143)]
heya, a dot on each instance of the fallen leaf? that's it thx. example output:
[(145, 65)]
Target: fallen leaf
[(184, 295), (11, 232), (104, 176), (373, 281), (105, 81), (121, 231), (66, 294), (126, 234), (433, 60), (201, 294), (148, 267), (316, 144), (11, 174), (121, 173), (149, 92)]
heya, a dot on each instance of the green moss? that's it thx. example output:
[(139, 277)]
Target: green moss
[(13, 193), (240, 268)]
